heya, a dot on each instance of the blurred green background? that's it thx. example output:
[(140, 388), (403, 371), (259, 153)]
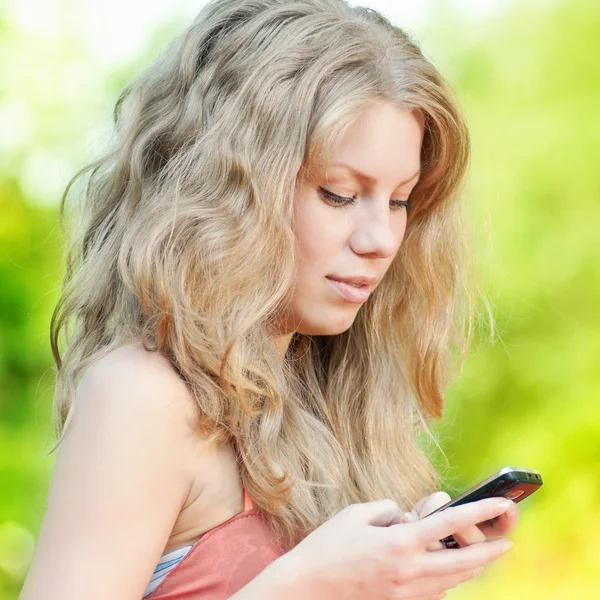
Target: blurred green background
[(528, 76)]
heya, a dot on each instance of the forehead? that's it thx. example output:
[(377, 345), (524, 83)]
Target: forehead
[(362, 177), (383, 146)]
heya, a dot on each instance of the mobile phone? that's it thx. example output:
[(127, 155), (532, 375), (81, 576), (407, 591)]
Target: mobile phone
[(514, 483)]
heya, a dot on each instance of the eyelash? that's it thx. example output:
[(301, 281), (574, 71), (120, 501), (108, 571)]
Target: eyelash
[(343, 201)]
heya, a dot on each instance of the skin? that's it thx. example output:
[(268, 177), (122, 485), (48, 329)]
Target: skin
[(500, 526), (358, 239), (362, 238)]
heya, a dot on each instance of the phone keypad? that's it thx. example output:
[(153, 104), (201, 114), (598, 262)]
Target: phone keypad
[(450, 542)]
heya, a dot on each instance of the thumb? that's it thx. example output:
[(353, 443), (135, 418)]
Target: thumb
[(404, 517), (430, 503), (380, 513)]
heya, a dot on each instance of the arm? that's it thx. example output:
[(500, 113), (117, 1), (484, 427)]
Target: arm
[(121, 476), (279, 580)]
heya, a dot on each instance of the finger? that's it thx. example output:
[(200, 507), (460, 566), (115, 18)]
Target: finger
[(380, 513), (403, 517), (444, 523), (469, 535), (426, 506), (450, 562), (428, 597), (435, 546), (430, 503), (438, 585), (410, 517), (502, 525)]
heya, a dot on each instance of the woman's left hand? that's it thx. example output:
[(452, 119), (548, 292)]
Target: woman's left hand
[(501, 526)]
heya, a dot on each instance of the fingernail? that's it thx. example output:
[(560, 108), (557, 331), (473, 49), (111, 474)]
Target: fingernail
[(507, 546), (477, 571), (504, 504)]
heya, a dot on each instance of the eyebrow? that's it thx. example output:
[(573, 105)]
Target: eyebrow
[(372, 180)]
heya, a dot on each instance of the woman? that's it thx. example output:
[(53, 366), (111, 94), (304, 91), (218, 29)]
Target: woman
[(259, 304)]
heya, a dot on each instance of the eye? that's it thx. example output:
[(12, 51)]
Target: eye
[(401, 204), (341, 201)]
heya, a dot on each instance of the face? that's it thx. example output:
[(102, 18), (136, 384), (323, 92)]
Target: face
[(350, 218)]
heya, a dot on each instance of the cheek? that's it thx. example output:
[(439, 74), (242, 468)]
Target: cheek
[(320, 236), (316, 252)]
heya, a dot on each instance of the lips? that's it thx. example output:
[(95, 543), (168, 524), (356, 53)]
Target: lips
[(357, 280), (352, 293)]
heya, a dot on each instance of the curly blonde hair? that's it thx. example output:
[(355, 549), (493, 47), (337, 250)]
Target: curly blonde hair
[(185, 245)]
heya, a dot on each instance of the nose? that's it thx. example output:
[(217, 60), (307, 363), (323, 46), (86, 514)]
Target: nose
[(378, 232)]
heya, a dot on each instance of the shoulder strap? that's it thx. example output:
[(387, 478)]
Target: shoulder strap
[(248, 505)]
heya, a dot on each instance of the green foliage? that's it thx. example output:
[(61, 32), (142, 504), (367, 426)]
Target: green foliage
[(530, 85), (529, 82), (29, 271)]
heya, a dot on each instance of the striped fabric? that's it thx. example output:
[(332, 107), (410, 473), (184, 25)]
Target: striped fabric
[(165, 565), (169, 561)]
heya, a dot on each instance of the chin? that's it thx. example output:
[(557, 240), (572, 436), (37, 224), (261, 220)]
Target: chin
[(321, 327)]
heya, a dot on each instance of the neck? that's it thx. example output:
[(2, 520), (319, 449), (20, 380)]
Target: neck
[(282, 344)]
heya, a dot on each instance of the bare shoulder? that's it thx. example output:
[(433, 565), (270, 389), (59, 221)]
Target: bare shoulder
[(131, 364), (132, 381), (142, 390), (122, 474)]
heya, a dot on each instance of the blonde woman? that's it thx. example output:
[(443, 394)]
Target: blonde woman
[(261, 295)]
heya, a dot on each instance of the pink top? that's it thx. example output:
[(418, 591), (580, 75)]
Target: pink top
[(222, 561)]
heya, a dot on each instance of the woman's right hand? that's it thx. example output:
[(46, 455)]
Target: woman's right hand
[(366, 552)]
